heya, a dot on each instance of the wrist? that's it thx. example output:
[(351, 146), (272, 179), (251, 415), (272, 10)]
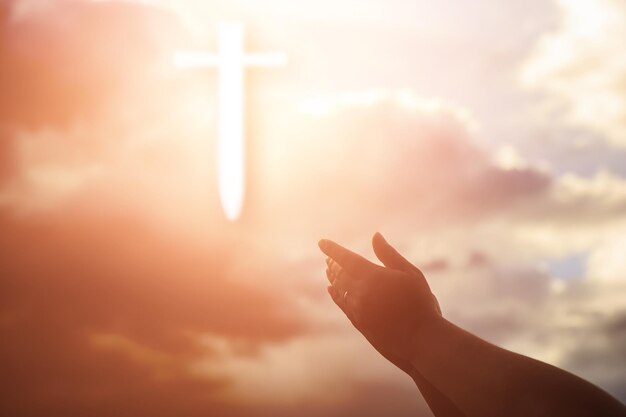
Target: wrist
[(427, 338)]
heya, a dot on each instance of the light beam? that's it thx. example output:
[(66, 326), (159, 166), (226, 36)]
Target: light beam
[(230, 60)]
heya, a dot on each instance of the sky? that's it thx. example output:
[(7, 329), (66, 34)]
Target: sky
[(485, 139)]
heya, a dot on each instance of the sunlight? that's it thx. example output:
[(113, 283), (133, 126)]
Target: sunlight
[(230, 60)]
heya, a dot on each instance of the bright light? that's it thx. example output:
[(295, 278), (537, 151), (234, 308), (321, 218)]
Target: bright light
[(231, 61)]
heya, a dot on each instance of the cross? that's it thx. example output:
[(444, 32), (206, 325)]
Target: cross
[(230, 60)]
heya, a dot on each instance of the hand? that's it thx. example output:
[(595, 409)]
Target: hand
[(389, 305)]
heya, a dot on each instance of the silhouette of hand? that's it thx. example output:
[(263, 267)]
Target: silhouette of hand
[(389, 305)]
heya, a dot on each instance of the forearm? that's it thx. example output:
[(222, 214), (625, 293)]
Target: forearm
[(485, 380), (439, 404)]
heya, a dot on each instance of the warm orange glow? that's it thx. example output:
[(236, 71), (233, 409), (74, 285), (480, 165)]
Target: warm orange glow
[(164, 180)]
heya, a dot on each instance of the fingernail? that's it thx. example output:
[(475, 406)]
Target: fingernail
[(322, 244)]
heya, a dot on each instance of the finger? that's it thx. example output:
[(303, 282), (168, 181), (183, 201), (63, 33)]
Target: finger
[(337, 298), (354, 264), (330, 272), (390, 257), (341, 281), (340, 301), (333, 270), (329, 265)]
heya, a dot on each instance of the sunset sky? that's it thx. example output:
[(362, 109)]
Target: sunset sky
[(485, 139)]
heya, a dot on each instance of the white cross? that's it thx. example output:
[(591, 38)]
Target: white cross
[(230, 60)]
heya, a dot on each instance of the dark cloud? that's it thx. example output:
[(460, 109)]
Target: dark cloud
[(598, 351)]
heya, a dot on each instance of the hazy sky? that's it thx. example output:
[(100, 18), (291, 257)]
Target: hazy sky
[(486, 139)]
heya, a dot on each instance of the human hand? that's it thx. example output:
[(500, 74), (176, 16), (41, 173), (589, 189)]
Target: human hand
[(389, 305)]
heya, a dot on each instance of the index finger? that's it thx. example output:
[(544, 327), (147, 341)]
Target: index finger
[(353, 263)]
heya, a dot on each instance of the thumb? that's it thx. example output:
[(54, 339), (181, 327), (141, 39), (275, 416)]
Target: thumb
[(390, 257)]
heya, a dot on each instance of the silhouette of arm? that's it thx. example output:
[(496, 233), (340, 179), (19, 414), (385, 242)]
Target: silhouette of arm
[(457, 372), (440, 405), (485, 380)]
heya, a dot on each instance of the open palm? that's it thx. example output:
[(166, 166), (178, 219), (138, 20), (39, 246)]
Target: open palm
[(388, 305)]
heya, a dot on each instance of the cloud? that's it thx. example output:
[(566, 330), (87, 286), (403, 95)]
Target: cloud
[(575, 214), (581, 68), (487, 235), (122, 286), (375, 156), (88, 299), (71, 70), (606, 263), (100, 271), (311, 368), (401, 161), (114, 283), (52, 77), (574, 323)]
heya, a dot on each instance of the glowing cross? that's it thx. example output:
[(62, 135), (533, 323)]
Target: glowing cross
[(230, 60)]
